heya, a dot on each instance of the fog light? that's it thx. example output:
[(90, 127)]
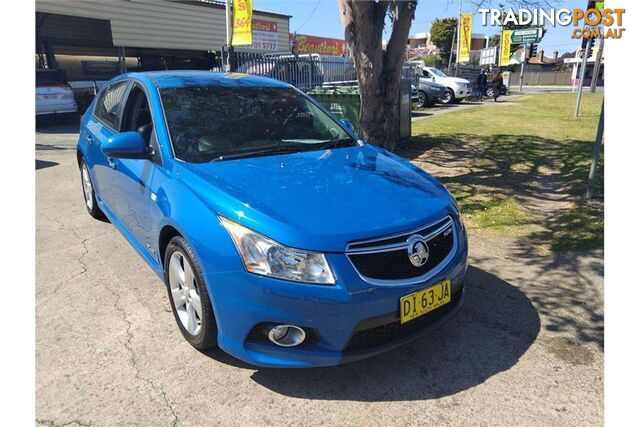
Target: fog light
[(286, 335)]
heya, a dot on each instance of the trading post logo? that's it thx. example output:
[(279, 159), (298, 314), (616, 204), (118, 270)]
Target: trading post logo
[(594, 22)]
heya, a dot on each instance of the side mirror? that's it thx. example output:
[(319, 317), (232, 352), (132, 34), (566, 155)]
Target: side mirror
[(127, 145), (433, 79), (346, 123)]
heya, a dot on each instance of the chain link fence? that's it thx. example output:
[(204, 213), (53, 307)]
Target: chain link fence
[(302, 71)]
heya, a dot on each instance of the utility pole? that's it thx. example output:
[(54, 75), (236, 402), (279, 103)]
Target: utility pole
[(596, 66), (596, 154), (583, 68), (227, 65), (523, 59), (453, 40), (458, 37)]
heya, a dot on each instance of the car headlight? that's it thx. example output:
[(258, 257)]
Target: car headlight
[(266, 257)]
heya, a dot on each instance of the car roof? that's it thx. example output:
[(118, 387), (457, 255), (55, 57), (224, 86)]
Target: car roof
[(163, 79)]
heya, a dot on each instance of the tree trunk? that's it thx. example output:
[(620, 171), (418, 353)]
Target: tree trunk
[(378, 71)]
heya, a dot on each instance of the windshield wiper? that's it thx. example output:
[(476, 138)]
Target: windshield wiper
[(255, 153), (344, 142)]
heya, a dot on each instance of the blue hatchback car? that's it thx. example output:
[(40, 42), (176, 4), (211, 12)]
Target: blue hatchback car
[(282, 237)]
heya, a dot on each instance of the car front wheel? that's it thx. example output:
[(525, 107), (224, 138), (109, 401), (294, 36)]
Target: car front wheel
[(188, 295), (449, 97)]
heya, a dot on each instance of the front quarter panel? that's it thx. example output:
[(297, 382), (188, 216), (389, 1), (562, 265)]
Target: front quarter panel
[(178, 206)]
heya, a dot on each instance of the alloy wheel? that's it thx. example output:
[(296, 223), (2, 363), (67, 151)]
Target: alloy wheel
[(87, 187), (448, 97), (422, 99), (184, 293)]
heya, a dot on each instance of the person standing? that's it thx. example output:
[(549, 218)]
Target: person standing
[(497, 82), (481, 84)]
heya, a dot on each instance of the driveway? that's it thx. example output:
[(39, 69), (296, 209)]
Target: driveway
[(526, 349)]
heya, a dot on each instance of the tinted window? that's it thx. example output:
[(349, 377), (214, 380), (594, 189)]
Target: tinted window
[(50, 77), (108, 105), (215, 122)]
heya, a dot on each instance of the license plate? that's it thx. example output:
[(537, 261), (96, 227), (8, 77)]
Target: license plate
[(50, 96), (419, 303)]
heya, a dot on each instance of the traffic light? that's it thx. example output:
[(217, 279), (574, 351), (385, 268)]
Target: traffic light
[(533, 50), (585, 43)]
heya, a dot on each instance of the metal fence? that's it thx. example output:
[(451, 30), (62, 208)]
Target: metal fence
[(542, 78), (303, 71)]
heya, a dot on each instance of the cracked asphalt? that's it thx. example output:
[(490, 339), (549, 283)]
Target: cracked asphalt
[(527, 348)]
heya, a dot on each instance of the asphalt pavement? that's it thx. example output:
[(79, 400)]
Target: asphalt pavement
[(526, 349)]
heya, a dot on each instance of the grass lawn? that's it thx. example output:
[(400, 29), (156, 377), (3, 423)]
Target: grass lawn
[(519, 167)]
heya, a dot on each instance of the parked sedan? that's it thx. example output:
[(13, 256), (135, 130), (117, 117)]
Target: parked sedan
[(53, 93), (429, 93), (281, 236)]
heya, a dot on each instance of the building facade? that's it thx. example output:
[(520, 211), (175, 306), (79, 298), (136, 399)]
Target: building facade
[(142, 34)]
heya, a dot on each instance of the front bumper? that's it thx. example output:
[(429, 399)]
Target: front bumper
[(464, 92), (344, 322)]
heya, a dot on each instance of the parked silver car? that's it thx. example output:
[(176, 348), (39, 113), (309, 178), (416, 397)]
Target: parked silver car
[(53, 93)]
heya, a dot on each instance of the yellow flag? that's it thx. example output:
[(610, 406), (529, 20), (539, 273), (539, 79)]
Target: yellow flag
[(505, 48), (466, 26), (242, 14)]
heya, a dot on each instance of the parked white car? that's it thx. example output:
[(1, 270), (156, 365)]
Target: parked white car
[(53, 93), (457, 88)]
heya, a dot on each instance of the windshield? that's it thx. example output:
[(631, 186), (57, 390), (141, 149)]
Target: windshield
[(438, 72), (218, 123)]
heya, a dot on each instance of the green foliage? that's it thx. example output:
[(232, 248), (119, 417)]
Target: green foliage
[(442, 32), (494, 40), (432, 60)]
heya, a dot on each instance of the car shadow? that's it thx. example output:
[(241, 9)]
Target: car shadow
[(420, 113), (495, 327), (41, 164)]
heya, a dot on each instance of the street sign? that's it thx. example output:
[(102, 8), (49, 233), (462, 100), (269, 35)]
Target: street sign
[(528, 35), (488, 55)]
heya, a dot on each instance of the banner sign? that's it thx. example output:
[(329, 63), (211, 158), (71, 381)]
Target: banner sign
[(466, 25), (505, 48), (265, 35), (242, 14), (320, 45)]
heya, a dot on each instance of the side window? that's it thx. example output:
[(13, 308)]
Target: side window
[(137, 118), (426, 73), (108, 105)]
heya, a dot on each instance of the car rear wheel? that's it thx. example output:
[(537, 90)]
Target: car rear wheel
[(449, 97), (89, 194), (188, 295)]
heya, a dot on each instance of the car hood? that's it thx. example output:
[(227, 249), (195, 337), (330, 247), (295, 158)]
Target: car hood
[(458, 80), (321, 200)]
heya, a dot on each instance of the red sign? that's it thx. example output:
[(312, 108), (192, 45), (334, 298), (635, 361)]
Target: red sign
[(321, 45), (269, 26)]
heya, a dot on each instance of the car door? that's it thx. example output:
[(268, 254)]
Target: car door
[(131, 178), (103, 123)]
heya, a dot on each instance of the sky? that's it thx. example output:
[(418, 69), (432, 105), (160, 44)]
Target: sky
[(321, 18)]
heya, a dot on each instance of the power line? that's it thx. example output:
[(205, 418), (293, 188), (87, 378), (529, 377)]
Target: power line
[(308, 17)]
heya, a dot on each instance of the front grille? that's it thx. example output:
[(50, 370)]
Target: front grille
[(394, 264), (380, 335), (426, 231)]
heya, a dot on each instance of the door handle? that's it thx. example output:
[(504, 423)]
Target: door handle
[(89, 138), (111, 163)]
